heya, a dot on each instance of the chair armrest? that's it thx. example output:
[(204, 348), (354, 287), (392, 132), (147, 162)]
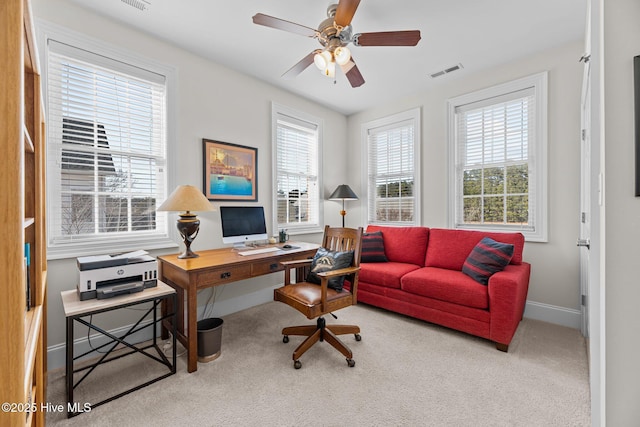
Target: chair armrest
[(340, 272), (296, 263), (292, 265)]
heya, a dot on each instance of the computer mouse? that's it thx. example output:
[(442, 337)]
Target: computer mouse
[(286, 246)]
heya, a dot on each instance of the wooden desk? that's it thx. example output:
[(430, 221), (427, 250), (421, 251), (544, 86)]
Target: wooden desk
[(212, 268)]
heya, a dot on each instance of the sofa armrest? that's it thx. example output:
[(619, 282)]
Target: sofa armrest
[(507, 297)]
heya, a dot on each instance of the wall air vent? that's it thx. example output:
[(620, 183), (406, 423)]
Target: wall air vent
[(138, 4), (446, 71)]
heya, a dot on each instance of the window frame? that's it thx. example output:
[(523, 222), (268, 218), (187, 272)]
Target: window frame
[(277, 111), (124, 241), (413, 116), (537, 154)]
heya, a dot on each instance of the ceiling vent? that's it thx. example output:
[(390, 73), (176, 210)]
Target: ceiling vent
[(445, 71), (138, 4)]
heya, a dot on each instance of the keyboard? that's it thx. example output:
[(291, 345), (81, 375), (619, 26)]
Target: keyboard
[(259, 251)]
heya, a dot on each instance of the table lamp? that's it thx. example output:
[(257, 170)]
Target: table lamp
[(185, 199), (343, 192)]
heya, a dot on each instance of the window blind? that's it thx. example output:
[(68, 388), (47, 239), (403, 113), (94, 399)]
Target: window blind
[(298, 194), (495, 165), (106, 147), (391, 173)]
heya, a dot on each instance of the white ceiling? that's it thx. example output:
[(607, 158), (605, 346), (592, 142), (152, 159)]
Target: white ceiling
[(476, 33)]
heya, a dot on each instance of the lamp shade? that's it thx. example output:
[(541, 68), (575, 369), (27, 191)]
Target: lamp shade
[(343, 192), (186, 198)]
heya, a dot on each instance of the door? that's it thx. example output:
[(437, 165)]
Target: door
[(584, 239)]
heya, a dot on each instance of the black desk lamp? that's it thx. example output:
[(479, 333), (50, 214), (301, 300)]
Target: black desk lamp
[(187, 198), (343, 192)]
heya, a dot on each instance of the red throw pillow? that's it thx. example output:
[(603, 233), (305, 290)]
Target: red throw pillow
[(373, 248), (488, 257)]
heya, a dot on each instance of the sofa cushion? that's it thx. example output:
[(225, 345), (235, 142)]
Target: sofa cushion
[(488, 257), (386, 274), (404, 244), (450, 248), (446, 285), (326, 260), (373, 247)]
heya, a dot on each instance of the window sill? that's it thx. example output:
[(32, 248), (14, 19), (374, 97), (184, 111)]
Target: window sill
[(108, 246), (300, 231), (529, 235)]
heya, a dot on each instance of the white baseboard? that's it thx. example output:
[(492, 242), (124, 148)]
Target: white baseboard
[(56, 354), (553, 314)]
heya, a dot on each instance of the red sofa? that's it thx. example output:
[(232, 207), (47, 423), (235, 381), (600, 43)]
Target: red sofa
[(423, 278)]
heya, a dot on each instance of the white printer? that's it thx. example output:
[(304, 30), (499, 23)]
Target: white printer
[(106, 276)]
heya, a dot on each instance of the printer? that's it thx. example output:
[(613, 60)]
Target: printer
[(106, 276)]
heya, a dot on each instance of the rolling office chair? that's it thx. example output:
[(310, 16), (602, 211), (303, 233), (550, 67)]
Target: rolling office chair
[(322, 291)]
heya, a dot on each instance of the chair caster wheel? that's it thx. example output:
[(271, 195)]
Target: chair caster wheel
[(351, 363), (285, 339), (297, 364), (358, 337)]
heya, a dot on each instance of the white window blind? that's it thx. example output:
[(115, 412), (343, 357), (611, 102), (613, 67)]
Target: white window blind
[(497, 162), (494, 161), (392, 176), (296, 173), (106, 148)]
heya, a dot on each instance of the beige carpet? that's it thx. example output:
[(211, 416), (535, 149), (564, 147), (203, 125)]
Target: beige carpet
[(407, 373)]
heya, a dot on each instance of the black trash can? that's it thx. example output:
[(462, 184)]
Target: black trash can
[(209, 339)]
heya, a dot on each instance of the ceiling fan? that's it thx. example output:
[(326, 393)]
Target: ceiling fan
[(334, 34)]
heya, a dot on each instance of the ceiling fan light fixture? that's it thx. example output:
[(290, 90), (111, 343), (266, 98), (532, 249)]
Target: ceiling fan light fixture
[(322, 60), (342, 55), (330, 71)]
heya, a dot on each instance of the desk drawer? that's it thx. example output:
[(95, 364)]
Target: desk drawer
[(223, 275), (269, 266)]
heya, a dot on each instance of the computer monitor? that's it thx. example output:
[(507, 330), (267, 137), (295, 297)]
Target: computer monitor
[(242, 225)]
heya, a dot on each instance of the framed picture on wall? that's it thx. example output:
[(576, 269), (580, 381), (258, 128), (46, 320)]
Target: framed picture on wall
[(230, 171)]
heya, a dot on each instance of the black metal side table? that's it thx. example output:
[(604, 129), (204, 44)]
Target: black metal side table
[(76, 311)]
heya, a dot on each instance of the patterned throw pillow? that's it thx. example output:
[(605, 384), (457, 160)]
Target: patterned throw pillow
[(488, 257), (325, 260), (373, 248)]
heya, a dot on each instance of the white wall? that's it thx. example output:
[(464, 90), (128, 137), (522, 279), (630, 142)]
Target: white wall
[(212, 102), (622, 214), (554, 276)]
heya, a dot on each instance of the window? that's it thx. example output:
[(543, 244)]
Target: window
[(107, 153), (498, 149), (392, 169), (296, 141)]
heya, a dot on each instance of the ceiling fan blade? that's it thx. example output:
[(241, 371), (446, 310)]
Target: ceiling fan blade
[(346, 10), (281, 24), (300, 66), (387, 38), (350, 69)]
